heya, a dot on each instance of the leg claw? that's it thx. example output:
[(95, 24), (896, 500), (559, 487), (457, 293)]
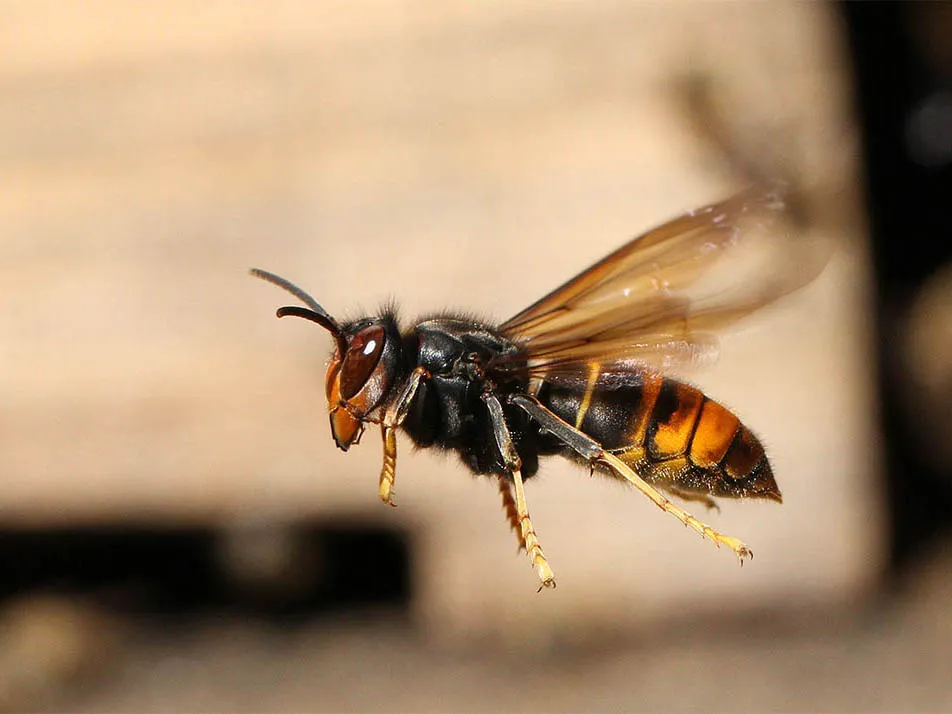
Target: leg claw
[(546, 576)]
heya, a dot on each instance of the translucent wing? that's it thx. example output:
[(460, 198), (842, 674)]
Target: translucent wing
[(658, 300)]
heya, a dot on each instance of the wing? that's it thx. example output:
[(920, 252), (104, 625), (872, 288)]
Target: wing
[(658, 300)]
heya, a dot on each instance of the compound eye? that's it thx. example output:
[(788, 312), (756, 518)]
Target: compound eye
[(362, 357)]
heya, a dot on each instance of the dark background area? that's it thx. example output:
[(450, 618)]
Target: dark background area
[(174, 573), (901, 55)]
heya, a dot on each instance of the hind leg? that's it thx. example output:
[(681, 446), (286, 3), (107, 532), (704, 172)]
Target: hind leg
[(592, 451)]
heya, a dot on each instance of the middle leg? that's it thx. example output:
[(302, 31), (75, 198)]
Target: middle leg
[(513, 466), (512, 513)]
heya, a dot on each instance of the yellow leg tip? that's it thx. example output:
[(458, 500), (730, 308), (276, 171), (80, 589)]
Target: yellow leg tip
[(740, 549), (546, 577), (386, 493)]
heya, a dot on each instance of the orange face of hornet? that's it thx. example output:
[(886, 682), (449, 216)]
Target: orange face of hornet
[(357, 383)]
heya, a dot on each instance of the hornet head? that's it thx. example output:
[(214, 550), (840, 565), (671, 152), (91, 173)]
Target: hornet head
[(362, 369)]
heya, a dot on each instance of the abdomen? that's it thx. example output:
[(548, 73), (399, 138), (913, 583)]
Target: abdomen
[(669, 432)]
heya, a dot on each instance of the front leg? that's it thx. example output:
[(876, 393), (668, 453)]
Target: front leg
[(513, 465), (595, 454), (396, 413)]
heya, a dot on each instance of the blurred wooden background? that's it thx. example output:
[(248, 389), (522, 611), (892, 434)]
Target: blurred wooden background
[(449, 155)]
